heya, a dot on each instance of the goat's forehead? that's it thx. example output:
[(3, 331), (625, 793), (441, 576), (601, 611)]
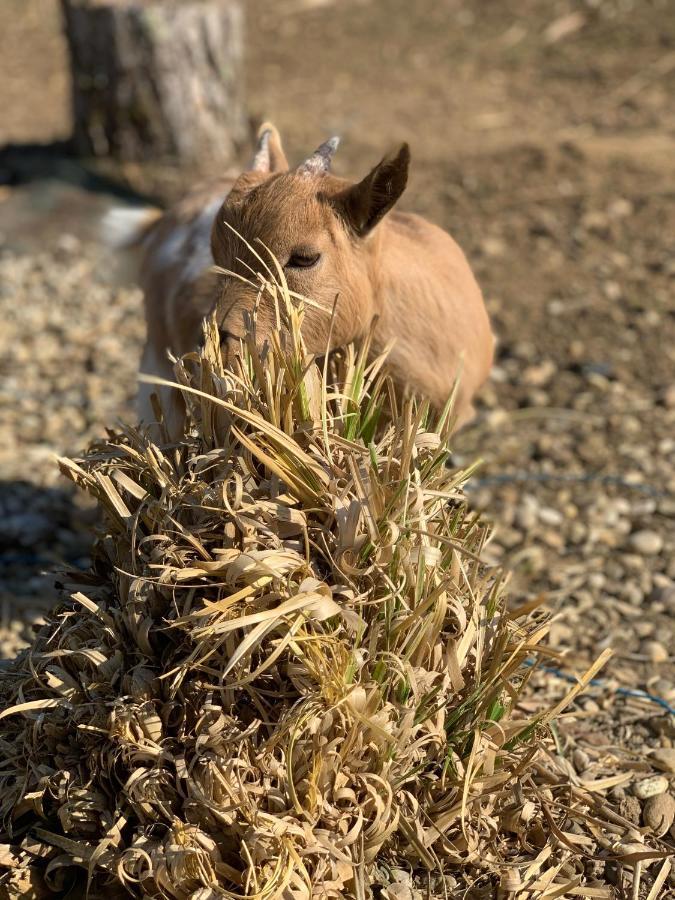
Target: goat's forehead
[(282, 208)]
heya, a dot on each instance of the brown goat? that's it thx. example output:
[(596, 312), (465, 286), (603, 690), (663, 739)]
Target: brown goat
[(334, 239)]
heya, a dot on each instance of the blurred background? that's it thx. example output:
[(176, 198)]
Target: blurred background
[(543, 139)]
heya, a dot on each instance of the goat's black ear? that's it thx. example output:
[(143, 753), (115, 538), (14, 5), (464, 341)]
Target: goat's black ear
[(366, 203)]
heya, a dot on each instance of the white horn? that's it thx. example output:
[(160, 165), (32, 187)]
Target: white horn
[(319, 162), (261, 160)]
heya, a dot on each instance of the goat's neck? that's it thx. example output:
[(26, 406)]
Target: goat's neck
[(377, 276)]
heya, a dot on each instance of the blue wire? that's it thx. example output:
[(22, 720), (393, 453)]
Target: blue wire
[(598, 682), (542, 477)]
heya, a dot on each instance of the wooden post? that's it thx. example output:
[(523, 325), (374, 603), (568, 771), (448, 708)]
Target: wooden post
[(157, 80)]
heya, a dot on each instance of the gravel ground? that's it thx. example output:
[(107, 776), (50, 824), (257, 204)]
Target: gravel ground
[(69, 350)]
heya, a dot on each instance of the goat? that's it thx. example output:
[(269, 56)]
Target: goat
[(334, 238)]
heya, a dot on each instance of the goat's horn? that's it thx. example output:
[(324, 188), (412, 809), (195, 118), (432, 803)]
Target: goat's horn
[(319, 162), (261, 160)]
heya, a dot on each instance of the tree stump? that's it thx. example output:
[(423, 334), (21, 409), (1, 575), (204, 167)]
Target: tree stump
[(157, 80)]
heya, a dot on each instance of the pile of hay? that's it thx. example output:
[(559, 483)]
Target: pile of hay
[(287, 673)]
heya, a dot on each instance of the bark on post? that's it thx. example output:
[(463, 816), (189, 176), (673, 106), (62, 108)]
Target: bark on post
[(158, 80)]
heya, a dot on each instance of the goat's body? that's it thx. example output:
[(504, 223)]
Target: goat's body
[(408, 275), (173, 268), (426, 283)]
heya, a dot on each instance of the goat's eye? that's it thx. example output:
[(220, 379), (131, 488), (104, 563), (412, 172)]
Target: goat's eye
[(302, 259)]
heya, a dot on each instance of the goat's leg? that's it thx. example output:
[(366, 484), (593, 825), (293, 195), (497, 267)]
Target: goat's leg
[(156, 364)]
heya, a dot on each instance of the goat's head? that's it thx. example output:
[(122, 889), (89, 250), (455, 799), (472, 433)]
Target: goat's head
[(319, 228)]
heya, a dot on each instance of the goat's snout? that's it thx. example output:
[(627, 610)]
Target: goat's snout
[(229, 345)]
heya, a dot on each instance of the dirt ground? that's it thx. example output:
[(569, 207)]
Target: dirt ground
[(543, 138)]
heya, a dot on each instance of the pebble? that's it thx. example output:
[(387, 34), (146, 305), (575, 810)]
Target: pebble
[(539, 375), (650, 787), (493, 246), (612, 290), (595, 221), (527, 513), (553, 539), (632, 594), (580, 760), (633, 561), (620, 208), (655, 651), (549, 516), (648, 543), (665, 596), (658, 813), (663, 759), (509, 537)]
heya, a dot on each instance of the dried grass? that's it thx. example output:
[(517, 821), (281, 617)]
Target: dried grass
[(288, 673)]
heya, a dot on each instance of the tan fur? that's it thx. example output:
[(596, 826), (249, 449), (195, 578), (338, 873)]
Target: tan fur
[(407, 274)]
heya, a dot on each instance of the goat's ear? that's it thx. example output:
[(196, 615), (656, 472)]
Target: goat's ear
[(366, 203), (269, 155)]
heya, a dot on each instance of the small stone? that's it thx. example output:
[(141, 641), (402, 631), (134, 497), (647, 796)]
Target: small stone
[(509, 537), (664, 596), (527, 513), (537, 397), (553, 539), (650, 787), (68, 243), (540, 375), (655, 651), (658, 813), (663, 727), (560, 634), (550, 516), (612, 290), (663, 687), (596, 581), (596, 222), (605, 536), (633, 561), (669, 397), (578, 533), (663, 759), (632, 594), (648, 543), (614, 570), (493, 246), (580, 760), (643, 507), (620, 208)]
